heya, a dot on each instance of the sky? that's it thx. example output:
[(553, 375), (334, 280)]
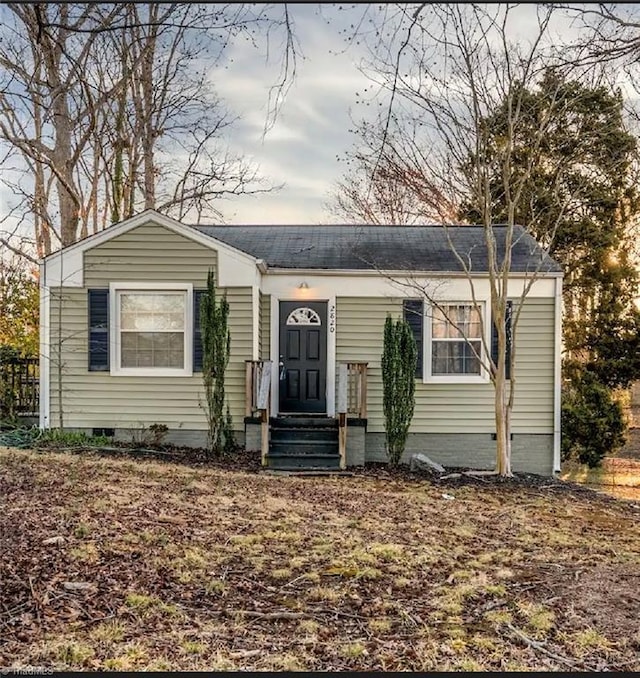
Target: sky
[(311, 130), (302, 150)]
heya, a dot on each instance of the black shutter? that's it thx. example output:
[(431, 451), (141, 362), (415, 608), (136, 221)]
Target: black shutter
[(414, 317), (98, 330), (197, 334), (494, 339)]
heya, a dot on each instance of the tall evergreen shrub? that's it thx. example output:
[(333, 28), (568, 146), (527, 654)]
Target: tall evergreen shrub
[(399, 357), (216, 346)]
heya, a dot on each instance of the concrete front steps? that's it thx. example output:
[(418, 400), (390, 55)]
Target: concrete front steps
[(303, 443)]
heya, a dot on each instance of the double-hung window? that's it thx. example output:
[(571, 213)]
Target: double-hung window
[(456, 342), (152, 329)]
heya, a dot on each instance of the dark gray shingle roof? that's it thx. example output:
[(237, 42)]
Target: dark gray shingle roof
[(421, 248)]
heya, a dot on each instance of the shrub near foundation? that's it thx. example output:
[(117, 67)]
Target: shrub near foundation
[(399, 358)]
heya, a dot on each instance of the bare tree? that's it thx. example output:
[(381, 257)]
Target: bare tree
[(389, 184), (611, 32), (42, 103), (446, 69), (108, 109), (166, 121)]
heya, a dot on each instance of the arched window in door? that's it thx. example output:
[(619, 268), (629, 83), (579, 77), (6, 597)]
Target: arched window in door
[(303, 316)]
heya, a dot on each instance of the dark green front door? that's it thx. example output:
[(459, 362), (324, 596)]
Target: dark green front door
[(303, 356)]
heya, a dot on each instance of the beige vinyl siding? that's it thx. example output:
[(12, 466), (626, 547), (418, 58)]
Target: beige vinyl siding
[(265, 326), (241, 326), (455, 408), (96, 399), (146, 254), (535, 351)]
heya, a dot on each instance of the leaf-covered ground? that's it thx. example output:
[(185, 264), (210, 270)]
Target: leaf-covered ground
[(110, 563)]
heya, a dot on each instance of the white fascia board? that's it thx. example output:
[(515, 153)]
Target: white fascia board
[(359, 272), (65, 267), (326, 286)]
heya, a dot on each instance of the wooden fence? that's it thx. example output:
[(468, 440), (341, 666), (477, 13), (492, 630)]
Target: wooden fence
[(19, 387)]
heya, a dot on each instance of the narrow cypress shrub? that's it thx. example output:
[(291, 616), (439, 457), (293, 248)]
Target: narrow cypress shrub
[(216, 345), (399, 357)]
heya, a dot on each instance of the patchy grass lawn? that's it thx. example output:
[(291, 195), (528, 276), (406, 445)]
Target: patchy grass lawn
[(133, 565)]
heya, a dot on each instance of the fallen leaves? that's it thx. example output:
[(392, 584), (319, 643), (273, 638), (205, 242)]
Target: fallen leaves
[(139, 565)]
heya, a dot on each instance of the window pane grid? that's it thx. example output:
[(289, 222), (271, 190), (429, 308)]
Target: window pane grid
[(456, 331), (152, 312), (456, 322), (152, 329), (455, 357)]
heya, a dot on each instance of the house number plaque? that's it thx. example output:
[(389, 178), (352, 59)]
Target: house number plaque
[(332, 318)]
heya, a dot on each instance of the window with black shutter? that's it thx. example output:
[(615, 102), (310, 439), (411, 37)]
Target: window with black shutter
[(494, 339), (414, 317), (99, 336), (99, 330)]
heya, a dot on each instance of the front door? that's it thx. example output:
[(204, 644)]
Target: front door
[(303, 356)]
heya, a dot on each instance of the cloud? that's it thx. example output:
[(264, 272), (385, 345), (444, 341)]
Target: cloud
[(310, 130)]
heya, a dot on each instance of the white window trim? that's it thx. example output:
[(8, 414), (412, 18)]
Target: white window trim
[(114, 333), (427, 326)]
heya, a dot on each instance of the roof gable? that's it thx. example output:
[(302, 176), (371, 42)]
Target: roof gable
[(145, 217), (65, 267)]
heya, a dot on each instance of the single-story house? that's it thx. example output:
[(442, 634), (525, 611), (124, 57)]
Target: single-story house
[(121, 349)]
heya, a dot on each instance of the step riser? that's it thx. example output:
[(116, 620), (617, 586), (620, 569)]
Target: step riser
[(303, 422), (306, 449), (303, 443), (303, 435)]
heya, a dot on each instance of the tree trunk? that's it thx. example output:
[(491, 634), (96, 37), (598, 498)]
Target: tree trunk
[(41, 219), (119, 209), (61, 155), (149, 138), (62, 152), (149, 135), (95, 187), (42, 226), (503, 428)]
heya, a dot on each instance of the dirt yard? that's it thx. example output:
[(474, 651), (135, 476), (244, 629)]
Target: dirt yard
[(131, 565)]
